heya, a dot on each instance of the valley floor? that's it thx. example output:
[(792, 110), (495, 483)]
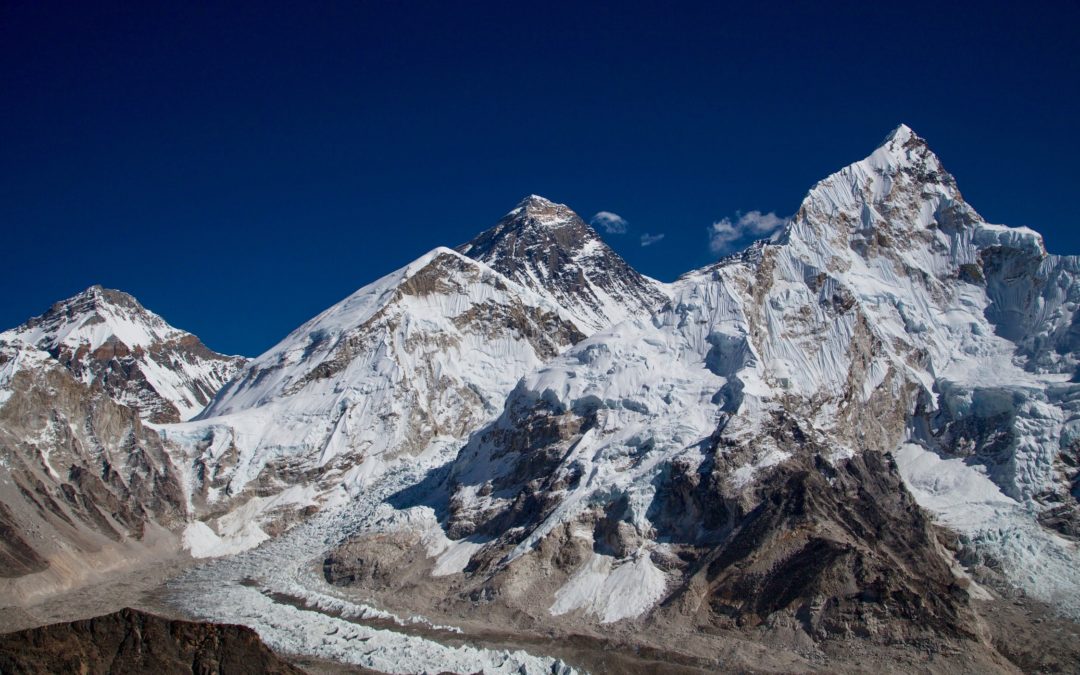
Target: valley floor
[(1026, 636), (279, 590)]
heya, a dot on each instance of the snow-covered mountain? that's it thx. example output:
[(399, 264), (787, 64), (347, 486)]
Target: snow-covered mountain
[(413, 362), (738, 457), (106, 337), (550, 250), (861, 427), (418, 359)]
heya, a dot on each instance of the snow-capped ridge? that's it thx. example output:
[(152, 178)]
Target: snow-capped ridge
[(417, 359), (93, 317), (317, 338), (886, 307)]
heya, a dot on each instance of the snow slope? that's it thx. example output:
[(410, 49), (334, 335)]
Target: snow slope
[(424, 355)]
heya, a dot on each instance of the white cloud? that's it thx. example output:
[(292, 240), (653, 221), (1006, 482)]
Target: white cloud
[(650, 239), (726, 232), (612, 223)]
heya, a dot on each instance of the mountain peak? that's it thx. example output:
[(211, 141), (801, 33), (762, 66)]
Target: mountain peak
[(900, 175), (95, 297), (549, 249), (877, 204), (106, 336), (901, 134), (535, 200), (537, 210), (904, 149)]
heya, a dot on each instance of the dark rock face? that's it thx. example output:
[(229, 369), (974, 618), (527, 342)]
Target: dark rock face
[(130, 641), (530, 439), (843, 549), (548, 249), (834, 548)]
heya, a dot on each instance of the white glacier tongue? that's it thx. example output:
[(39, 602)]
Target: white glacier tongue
[(271, 589), (106, 337)]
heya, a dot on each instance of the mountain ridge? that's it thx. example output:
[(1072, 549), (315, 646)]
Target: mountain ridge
[(862, 427), (887, 318)]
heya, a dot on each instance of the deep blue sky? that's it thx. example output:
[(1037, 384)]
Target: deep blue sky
[(239, 167)]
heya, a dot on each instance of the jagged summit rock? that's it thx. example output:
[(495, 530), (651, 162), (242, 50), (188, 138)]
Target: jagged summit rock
[(106, 337), (539, 210), (549, 249)]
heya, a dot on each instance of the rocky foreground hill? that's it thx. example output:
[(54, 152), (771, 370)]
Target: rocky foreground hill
[(130, 641)]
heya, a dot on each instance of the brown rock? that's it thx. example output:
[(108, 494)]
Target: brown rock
[(130, 641)]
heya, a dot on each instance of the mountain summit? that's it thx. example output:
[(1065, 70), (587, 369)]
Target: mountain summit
[(106, 337), (550, 250)]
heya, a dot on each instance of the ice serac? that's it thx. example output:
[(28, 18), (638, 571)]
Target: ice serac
[(412, 362), (765, 419), (548, 249), (106, 337)]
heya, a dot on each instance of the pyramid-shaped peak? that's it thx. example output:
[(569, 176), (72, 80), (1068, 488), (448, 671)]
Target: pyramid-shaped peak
[(95, 316), (549, 249), (901, 134), (904, 146), (902, 183)]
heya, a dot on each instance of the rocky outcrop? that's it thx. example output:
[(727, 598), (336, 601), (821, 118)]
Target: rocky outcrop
[(130, 641), (835, 549)]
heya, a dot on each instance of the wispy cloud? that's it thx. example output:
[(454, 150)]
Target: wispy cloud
[(612, 223), (726, 232), (650, 239)]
